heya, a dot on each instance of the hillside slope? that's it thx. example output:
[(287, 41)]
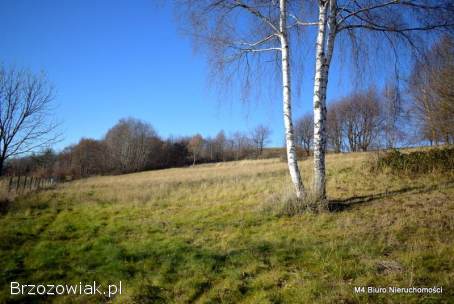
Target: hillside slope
[(204, 235)]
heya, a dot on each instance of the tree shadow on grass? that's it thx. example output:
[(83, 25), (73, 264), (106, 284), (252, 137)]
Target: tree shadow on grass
[(346, 204)]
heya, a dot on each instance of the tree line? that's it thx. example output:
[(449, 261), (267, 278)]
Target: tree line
[(133, 145)]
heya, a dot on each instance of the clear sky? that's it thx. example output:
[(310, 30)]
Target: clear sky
[(114, 59)]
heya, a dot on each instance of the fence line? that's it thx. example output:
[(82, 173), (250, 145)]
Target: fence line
[(22, 184)]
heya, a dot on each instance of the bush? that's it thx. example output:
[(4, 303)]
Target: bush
[(437, 160)]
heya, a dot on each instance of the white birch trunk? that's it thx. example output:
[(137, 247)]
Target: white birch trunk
[(286, 95), (324, 49)]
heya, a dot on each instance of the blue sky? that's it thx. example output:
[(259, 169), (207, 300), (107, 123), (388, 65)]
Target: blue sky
[(115, 59)]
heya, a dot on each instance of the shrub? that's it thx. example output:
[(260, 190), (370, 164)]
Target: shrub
[(436, 160)]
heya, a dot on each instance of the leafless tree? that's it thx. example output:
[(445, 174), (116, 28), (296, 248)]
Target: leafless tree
[(242, 35), (379, 25), (242, 145), (219, 146), (25, 113), (432, 88), (362, 120), (393, 115), (260, 136), (35, 164), (208, 150), (304, 130), (195, 146), (130, 143), (335, 127), (88, 158)]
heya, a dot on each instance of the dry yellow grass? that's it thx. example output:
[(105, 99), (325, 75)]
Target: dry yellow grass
[(348, 175)]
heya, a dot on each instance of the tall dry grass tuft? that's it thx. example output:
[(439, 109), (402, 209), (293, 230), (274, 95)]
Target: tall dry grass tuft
[(286, 203)]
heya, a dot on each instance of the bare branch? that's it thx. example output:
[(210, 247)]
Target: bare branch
[(396, 30), (25, 108), (257, 13), (369, 8), (301, 23), (257, 43)]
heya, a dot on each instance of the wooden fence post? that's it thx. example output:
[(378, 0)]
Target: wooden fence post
[(10, 184), (24, 186), (17, 184)]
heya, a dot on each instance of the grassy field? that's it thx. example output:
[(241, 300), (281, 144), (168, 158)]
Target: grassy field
[(209, 234)]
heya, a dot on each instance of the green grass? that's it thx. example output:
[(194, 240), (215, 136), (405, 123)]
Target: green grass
[(204, 235)]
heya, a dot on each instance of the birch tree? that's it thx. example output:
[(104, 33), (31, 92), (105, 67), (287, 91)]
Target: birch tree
[(390, 23), (245, 34), (195, 146)]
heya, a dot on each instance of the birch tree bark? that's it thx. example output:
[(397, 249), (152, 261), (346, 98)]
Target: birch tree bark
[(324, 50), (398, 22), (287, 109)]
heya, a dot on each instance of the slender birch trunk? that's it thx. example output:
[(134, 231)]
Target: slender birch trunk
[(286, 95), (324, 49)]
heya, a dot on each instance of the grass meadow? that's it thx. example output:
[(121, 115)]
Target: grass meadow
[(214, 234)]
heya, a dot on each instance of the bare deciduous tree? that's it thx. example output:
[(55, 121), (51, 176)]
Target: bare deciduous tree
[(304, 130), (130, 143), (245, 34), (195, 146), (241, 145), (393, 115), (432, 88), (260, 137), (335, 126), (391, 24), (25, 113), (219, 146), (362, 121), (88, 157), (241, 32)]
